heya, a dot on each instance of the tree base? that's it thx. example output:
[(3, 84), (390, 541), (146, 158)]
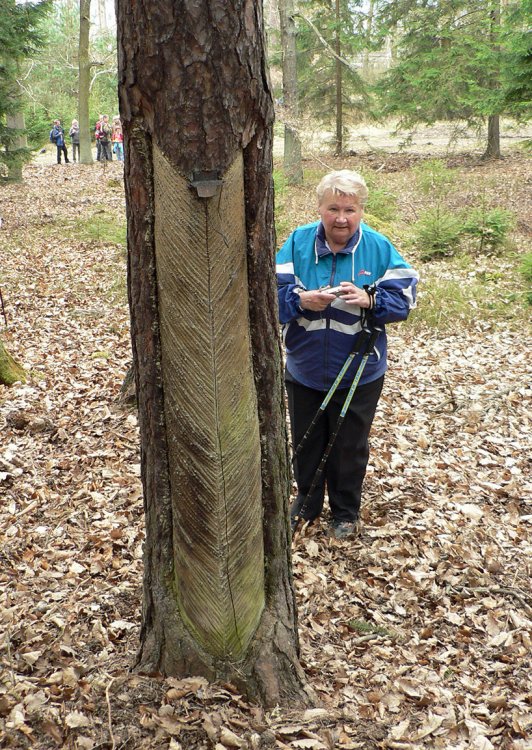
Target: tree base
[(269, 676)]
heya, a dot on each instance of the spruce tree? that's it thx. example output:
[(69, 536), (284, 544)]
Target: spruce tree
[(20, 37), (330, 33), (454, 61), (517, 70)]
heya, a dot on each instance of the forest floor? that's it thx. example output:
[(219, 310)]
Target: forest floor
[(416, 634)]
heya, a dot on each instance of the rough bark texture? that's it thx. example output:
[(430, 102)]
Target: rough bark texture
[(493, 147), (194, 90)]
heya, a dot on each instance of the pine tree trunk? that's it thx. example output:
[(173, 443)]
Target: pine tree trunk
[(292, 143), (197, 117), (85, 149)]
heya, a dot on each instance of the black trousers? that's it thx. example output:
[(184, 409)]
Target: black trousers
[(62, 150), (105, 151), (346, 466)]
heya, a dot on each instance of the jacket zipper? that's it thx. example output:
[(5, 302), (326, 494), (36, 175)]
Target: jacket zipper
[(327, 328)]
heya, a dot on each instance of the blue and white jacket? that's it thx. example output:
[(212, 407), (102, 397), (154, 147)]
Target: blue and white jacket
[(318, 343)]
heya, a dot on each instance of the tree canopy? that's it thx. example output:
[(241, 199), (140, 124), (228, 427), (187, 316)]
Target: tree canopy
[(330, 34), (461, 60)]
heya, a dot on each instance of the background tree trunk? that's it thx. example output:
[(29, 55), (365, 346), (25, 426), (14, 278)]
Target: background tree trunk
[(197, 114), (292, 143), (16, 122), (85, 149), (368, 35), (493, 146)]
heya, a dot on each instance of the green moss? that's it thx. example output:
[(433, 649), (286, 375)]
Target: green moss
[(101, 227), (368, 628), (10, 371)]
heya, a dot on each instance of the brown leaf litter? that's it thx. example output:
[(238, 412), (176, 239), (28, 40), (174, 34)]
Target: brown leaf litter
[(416, 634)]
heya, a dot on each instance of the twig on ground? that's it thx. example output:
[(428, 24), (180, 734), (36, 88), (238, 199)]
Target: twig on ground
[(505, 591), (10, 658), (109, 721)]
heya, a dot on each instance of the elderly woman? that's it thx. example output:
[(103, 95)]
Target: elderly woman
[(321, 330)]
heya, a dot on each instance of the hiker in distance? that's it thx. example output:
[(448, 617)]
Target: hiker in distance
[(57, 136), (74, 139), (323, 328)]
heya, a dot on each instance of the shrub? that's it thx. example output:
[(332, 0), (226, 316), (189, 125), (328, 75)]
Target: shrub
[(434, 179), (377, 223), (381, 202), (437, 233), (489, 226)]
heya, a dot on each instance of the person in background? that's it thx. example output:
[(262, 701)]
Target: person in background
[(118, 139), (105, 139), (320, 329), (57, 136), (97, 133), (74, 139)]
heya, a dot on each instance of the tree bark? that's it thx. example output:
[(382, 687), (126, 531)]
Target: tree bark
[(493, 146), (85, 150), (292, 143), (197, 114)]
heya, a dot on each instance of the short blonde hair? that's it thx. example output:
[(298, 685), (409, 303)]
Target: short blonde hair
[(344, 181)]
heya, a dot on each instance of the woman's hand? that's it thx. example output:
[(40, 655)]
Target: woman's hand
[(315, 300), (352, 295)]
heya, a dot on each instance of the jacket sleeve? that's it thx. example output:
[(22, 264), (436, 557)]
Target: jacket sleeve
[(287, 284), (395, 290)]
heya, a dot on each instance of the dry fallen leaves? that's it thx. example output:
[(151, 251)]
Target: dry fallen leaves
[(414, 635)]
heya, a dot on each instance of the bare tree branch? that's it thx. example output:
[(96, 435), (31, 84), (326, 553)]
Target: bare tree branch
[(353, 68)]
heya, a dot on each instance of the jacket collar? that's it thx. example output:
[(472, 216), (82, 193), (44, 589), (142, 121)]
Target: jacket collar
[(322, 248)]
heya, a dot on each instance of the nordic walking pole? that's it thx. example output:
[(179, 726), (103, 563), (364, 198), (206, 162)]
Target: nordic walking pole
[(332, 390), (370, 342), (365, 332)]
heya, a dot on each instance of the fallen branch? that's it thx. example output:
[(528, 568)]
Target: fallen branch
[(504, 591), (109, 721), (3, 307)]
